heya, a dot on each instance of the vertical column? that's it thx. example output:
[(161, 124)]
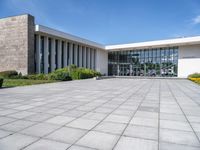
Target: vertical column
[(59, 54), (46, 54), (92, 59), (65, 54), (53, 51), (88, 58), (38, 56), (80, 56), (84, 57), (70, 53), (75, 54), (94, 56)]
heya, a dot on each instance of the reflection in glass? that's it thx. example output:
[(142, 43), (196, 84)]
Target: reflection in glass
[(147, 62)]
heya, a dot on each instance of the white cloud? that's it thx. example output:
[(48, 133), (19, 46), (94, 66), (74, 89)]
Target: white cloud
[(196, 20)]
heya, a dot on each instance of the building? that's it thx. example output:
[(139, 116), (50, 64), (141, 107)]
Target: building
[(30, 48)]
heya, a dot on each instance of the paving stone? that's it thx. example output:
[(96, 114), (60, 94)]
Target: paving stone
[(98, 140), (170, 146), (74, 147), (47, 145), (4, 133), (40, 129), (128, 143), (144, 122), (176, 125), (179, 137), (60, 120), (109, 127), (83, 124), (141, 132), (118, 118), (17, 125), (16, 142), (67, 135)]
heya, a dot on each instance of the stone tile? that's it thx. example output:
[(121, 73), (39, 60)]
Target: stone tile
[(83, 124), (118, 118), (47, 145), (98, 140), (38, 117), (170, 146), (16, 142), (60, 120), (17, 125), (94, 116), (141, 132), (128, 143), (75, 147), (172, 117), (144, 122), (176, 125), (109, 127), (67, 135), (5, 120), (40, 129), (179, 137), (21, 114), (4, 133)]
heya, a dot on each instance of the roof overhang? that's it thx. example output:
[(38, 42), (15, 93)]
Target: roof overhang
[(155, 44), (60, 34), (141, 45)]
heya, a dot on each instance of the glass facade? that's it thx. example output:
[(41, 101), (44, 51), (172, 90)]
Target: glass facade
[(144, 62)]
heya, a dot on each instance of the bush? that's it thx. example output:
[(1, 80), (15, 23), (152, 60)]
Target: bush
[(1, 82), (8, 74), (194, 75), (60, 74)]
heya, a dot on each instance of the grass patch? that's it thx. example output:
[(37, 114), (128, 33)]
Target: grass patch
[(24, 82)]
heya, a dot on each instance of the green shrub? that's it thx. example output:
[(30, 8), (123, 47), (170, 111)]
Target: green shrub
[(8, 74), (194, 75), (1, 82), (35, 77), (60, 74)]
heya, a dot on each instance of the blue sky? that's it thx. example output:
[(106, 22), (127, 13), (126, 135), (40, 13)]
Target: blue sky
[(113, 21)]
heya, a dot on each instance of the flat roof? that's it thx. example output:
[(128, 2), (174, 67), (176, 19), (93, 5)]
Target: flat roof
[(155, 44), (182, 41), (50, 31)]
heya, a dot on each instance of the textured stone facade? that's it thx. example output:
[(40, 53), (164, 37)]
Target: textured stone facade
[(17, 44)]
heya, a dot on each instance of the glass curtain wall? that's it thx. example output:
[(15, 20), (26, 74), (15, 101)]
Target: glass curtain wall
[(144, 62)]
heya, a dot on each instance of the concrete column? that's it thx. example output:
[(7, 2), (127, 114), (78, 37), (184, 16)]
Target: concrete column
[(88, 58), (70, 53), (84, 57), (59, 54), (53, 52), (94, 56), (38, 55), (92, 59), (75, 54), (80, 56), (65, 54), (46, 54)]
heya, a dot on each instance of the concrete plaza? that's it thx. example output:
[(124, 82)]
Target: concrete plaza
[(119, 114)]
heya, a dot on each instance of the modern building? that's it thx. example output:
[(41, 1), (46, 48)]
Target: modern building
[(30, 48)]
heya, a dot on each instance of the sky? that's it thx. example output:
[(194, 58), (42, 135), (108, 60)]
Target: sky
[(112, 21)]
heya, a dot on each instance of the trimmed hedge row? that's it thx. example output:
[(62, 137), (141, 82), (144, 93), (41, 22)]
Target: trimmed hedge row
[(194, 75), (1, 82), (65, 74)]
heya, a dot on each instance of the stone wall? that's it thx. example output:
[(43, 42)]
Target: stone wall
[(17, 44)]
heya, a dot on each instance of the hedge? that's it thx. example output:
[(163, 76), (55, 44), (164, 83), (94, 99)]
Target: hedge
[(194, 75), (8, 74), (65, 74), (1, 82)]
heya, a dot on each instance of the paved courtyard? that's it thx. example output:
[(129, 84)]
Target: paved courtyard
[(119, 114)]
